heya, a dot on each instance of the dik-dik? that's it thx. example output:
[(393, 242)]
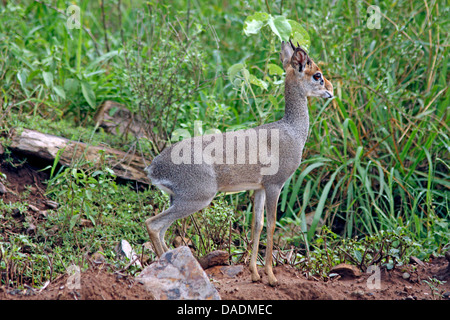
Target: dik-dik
[(193, 170)]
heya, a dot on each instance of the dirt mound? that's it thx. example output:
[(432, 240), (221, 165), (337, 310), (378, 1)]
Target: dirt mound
[(24, 178)]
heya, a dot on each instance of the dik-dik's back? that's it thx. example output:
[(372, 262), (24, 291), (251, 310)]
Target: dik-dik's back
[(231, 161), (262, 159)]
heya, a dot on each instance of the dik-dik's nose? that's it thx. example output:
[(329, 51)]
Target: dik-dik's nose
[(329, 87)]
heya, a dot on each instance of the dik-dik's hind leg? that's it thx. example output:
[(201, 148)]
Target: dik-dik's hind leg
[(257, 225), (180, 208)]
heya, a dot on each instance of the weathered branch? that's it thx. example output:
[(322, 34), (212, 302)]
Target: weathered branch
[(45, 146)]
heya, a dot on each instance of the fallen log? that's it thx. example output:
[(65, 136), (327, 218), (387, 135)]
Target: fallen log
[(215, 258), (126, 166)]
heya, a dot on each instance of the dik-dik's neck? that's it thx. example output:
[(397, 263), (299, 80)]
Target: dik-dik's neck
[(296, 107)]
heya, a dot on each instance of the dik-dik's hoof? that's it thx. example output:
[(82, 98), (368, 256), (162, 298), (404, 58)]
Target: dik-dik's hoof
[(273, 282), (256, 277)]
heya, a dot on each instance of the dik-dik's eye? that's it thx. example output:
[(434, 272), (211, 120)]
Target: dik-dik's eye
[(317, 76)]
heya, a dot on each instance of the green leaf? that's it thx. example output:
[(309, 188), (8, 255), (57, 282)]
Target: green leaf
[(233, 70), (110, 171), (73, 221), (275, 70), (273, 101), (358, 255), (92, 219), (71, 86), (246, 74), (48, 78), (88, 93), (255, 22), (260, 83), (60, 91), (349, 124), (22, 76), (101, 59), (281, 27), (299, 34), (88, 194)]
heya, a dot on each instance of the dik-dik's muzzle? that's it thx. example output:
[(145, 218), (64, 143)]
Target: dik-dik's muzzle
[(329, 88)]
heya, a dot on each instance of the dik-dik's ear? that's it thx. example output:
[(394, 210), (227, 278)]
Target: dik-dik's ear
[(299, 59)]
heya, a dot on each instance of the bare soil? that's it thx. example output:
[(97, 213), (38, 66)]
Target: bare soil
[(100, 283)]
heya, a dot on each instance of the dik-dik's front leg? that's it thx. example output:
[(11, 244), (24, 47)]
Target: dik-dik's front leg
[(257, 225), (272, 195)]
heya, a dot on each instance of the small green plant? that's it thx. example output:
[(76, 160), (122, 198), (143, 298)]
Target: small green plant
[(214, 224), (11, 161), (433, 283), (388, 249), (209, 229), (79, 189)]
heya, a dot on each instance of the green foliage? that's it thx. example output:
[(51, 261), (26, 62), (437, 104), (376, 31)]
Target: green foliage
[(94, 213), (164, 66), (209, 229), (284, 29), (87, 195), (387, 249), (50, 69)]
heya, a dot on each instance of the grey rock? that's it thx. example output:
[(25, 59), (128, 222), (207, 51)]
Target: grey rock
[(232, 271), (177, 275), (98, 257), (124, 248), (447, 255), (31, 229), (51, 204), (33, 208), (2, 188), (358, 293)]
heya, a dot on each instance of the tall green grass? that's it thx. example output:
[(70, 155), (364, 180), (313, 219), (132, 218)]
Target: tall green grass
[(381, 149)]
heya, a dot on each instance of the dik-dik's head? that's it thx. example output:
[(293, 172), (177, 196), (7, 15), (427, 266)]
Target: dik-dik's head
[(302, 70)]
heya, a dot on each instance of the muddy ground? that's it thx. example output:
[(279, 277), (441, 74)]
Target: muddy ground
[(100, 283)]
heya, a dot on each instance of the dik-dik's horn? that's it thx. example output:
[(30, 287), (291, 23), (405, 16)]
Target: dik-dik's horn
[(292, 45)]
